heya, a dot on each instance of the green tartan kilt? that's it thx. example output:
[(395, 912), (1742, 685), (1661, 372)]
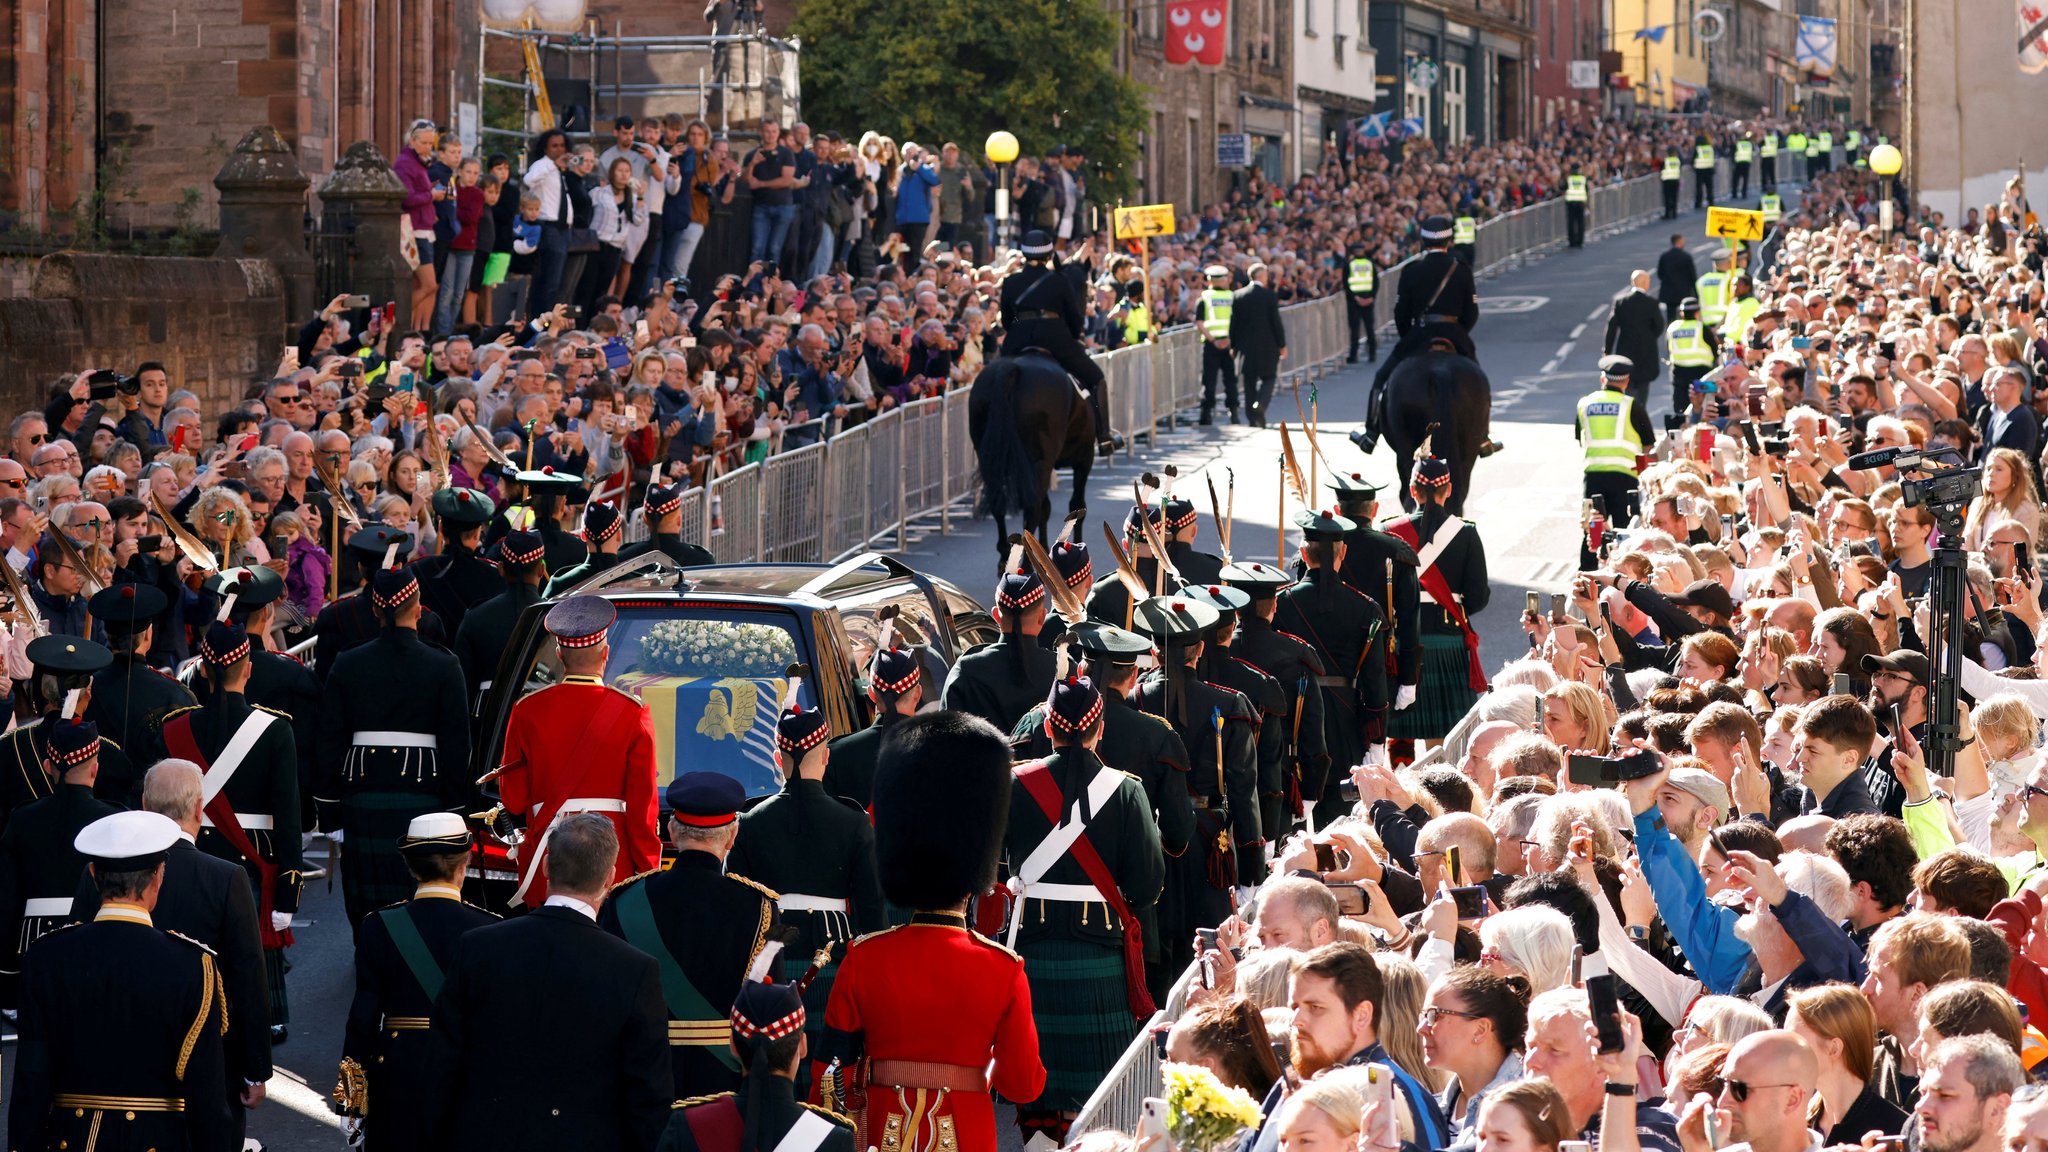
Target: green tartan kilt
[(815, 997), (1444, 695), (274, 967), (1079, 1003), (373, 874)]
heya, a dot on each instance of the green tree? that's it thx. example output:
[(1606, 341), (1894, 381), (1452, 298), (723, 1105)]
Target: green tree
[(1043, 69)]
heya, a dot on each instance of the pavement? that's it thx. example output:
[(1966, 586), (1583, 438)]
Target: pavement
[(1538, 338)]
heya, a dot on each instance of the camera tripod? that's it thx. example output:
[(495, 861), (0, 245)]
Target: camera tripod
[(1945, 640)]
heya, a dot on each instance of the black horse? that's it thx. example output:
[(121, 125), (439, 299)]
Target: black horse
[(1026, 418), (1442, 395)]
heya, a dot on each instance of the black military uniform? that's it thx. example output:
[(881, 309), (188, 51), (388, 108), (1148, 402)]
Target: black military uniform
[(1194, 566), (353, 619), (763, 1113), (708, 929), (402, 955), (39, 868), (1134, 742), (24, 750), (121, 1022), (1221, 667), (601, 536), (662, 500), (458, 578), (394, 744), (817, 851), (544, 488), (894, 675), (1040, 310), (1000, 682), (1451, 675), (132, 695), (253, 818), (1292, 664), (1074, 911), (278, 682), (1382, 566), (1347, 629), (1435, 299), (1216, 726), (1109, 602), (486, 633)]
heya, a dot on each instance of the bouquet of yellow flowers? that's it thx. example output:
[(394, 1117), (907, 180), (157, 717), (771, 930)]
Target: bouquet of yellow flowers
[(1202, 1114)]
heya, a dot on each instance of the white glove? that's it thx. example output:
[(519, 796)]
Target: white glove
[(279, 921), (335, 836), (1404, 697)]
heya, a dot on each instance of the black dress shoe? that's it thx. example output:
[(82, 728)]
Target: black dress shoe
[(1489, 447), (279, 1034), (1234, 417)]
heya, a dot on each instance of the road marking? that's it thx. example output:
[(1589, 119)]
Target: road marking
[(1508, 305), (1579, 331), (1596, 313)]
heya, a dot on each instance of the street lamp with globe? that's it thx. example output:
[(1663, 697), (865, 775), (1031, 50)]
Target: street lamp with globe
[(1001, 149), (1886, 161)]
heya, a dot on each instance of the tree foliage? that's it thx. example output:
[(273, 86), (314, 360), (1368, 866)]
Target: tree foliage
[(958, 70)]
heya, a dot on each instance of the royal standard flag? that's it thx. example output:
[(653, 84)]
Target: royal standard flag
[(712, 724)]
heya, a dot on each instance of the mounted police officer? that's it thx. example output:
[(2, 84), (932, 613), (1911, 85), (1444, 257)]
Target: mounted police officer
[(1693, 347), (1347, 628), (459, 578), (1212, 313), (1436, 299), (1294, 665), (1001, 681), (1040, 310), (1361, 290)]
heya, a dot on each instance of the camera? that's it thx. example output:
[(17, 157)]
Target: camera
[(1598, 771), (1777, 446), (1947, 492), (104, 383), (350, 368)]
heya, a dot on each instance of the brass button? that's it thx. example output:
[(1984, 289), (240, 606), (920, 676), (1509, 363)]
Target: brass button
[(380, 1059), (131, 1115), (80, 1112), (554, 1111)]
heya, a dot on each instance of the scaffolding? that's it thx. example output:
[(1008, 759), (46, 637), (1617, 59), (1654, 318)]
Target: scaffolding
[(734, 76)]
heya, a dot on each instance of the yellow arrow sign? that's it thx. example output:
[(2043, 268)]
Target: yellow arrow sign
[(1144, 220), (1735, 224)]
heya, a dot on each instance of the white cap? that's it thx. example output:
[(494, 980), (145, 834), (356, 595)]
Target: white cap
[(127, 841)]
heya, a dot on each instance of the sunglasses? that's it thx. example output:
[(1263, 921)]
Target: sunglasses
[(39, 438), (1739, 1090), (15, 483), (2032, 791)]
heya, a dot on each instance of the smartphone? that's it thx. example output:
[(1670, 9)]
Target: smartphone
[(178, 437), (390, 314), (1326, 858), (2023, 560), (1381, 1079), (1557, 614), (1532, 603), (1727, 528), (1152, 1116), (1471, 901), (1802, 343), (1578, 966), (235, 469), (1586, 770), (1208, 938), (1839, 686), (246, 443), (1898, 719), (356, 302), (1606, 1005), (1455, 865), (1351, 899), (152, 543)]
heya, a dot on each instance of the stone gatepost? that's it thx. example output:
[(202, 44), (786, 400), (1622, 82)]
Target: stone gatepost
[(263, 214)]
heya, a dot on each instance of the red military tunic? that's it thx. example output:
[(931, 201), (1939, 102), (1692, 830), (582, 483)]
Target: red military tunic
[(931, 992), (586, 747)]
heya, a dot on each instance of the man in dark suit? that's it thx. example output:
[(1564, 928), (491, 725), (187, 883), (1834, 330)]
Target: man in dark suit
[(1633, 324), (2008, 421), (1260, 339), (208, 899), (1677, 278), (551, 1033)]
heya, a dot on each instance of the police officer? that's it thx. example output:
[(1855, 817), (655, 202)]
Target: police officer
[(277, 681), (459, 578), (1692, 348), (1575, 207), (1130, 323), (708, 927), (1743, 307), (252, 771), (1796, 146), (394, 744), (1614, 430), (1361, 289), (1217, 729), (1221, 667), (402, 953), (816, 850), (1713, 288), (59, 689), (486, 631), (120, 1026), (1668, 175), (1436, 297), (1040, 310), (1702, 172), (1454, 587), (1772, 207), (600, 534), (579, 746), (663, 510), (1814, 156), (132, 695), (896, 688), (1465, 240), (1212, 313), (39, 868), (1383, 567), (1295, 667), (1745, 152), (770, 1030), (1001, 681), (1348, 629), (1767, 160), (1074, 902), (1823, 146)]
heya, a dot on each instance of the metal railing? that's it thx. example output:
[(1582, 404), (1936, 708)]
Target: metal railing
[(1118, 1101)]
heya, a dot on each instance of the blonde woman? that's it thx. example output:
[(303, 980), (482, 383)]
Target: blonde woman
[(1400, 1012), (1575, 717), (2008, 495), (1338, 1112), (221, 520)]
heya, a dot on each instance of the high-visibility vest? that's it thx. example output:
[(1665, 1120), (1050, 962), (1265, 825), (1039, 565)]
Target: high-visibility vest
[(1861, 162), (1796, 142), (1671, 168), (1216, 313), (1735, 324), (1744, 150), (1712, 290), (1360, 281), (1812, 146), (1464, 230), (1689, 347), (1772, 207), (1703, 156), (1883, 139), (1827, 142), (1608, 435), (1137, 324), (1575, 189), (1770, 146), (1854, 140)]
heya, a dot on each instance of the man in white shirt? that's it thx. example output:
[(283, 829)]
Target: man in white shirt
[(543, 181)]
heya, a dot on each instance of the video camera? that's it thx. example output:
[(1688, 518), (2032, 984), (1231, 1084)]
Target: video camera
[(1947, 492), (1599, 771)]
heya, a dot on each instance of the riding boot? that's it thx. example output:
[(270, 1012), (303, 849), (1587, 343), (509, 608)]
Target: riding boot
[(1368, 437), (1107, 441)]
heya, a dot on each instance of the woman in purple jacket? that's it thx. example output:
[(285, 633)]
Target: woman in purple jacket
[(421, 195)]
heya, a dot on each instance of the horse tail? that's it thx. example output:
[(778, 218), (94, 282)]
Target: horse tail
[(1007, 476), (1443, 388)]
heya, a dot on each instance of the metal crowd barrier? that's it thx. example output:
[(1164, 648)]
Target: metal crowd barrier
[(1119, 1100)]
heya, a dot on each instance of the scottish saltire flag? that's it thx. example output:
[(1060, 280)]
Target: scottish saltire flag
[(1403, 129), (1815, 50), (1373, 127), (711, 724)]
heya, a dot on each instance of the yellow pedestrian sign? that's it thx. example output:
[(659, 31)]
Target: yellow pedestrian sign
[(1144, 220), (1735, 224)]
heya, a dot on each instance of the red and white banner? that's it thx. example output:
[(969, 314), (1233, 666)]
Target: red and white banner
[(1197, 31)]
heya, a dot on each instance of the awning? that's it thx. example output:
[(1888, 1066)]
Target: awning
[(1253, 100)]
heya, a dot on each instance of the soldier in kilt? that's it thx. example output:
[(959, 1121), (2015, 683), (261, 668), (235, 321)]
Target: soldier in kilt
[(1074, 908), (1294, 664), (1452, 572), (1220, 666), (39, 867), (394, 744), (1347, 629)]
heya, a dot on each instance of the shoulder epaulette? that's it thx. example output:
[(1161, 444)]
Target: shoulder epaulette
[(756, 885), (69, 924), (179, 711), (484, 910), (290, 657), (177, 935), (827, 1113), (108, 742), (164, 674), (693, 1101), (630, 879), (850, 802), (1293, 637), (866, 936), (997, 945), (279, 712)]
